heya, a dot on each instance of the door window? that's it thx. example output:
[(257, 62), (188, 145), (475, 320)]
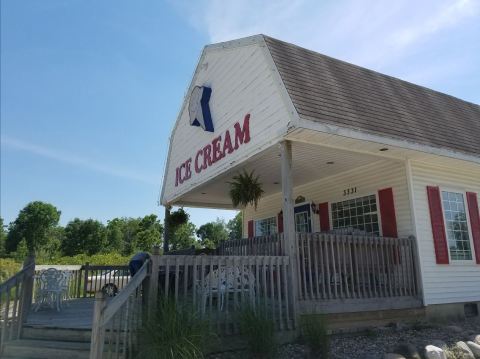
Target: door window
[(303, 221)]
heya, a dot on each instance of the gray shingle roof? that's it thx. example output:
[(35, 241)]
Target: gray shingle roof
[(331, 91)]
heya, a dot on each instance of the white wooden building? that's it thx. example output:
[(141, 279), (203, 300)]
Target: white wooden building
[(343, 153)]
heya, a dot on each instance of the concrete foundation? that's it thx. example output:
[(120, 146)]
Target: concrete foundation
[(451, 311)]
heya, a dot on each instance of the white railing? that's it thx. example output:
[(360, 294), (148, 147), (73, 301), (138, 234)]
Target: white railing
[(15, 302), (340, 266), (219, 287), (85, 280), (116, 321), (273, 245), (334, 266)]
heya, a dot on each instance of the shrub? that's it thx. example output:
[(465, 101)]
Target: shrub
[(173, 331), (96, 259), (314, 333), (8, 268), (259, 332)]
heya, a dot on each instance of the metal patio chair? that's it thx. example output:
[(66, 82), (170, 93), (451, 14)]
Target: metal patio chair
[(51, 289), (222, 282)]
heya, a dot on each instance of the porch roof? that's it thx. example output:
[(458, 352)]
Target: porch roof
[(311, 162), (330, 91)]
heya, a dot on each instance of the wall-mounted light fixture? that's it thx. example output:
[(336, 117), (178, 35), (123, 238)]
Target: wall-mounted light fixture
[(315, 209)]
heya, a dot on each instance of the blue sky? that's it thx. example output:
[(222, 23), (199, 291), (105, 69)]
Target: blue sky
[(90, 89)]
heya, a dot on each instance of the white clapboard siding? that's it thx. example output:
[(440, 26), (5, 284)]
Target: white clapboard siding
[(443, 283), (368, 179), (242, 83)]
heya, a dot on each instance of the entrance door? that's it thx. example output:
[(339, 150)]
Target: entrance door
[(303, 220)]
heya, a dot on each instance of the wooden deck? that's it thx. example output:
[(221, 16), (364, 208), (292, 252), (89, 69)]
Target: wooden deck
[(76, 314)]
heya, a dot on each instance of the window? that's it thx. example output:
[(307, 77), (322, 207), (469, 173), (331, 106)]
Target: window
[(266, 227), (303, 224), (358, 213), (456, 226)]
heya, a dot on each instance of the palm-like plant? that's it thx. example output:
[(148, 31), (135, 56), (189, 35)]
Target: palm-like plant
[(245, 189)]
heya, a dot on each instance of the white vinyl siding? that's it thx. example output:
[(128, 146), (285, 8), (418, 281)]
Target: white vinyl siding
[(458, 281), (242, 83), (330, 189)]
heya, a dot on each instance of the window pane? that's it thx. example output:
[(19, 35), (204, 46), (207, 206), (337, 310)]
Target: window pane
[(266, 227), (456, 225), (359, 213)]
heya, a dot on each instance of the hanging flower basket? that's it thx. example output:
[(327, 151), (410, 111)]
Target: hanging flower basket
[(245, 189)]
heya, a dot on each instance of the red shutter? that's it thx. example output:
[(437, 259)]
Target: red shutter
[(438, 226), (280, 222), (250, 229), (474, 222), (387, 213), (324, 217)]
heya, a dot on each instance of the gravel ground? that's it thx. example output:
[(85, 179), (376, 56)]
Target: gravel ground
[(374, 343)]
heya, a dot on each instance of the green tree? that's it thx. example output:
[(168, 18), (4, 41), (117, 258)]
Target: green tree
[(234, 226), (132, 227), (21, 251), (150, 233), (51, 249), (84, 236), (115, 235), (212, 233), (183, 237), (127, 235), (34, 224), (3, 237)]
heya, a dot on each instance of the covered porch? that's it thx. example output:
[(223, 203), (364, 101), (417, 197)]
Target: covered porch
[(341, 215)]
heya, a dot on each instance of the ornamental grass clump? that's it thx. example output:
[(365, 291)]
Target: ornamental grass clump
[(258, 330), (173, 331), (315, 335)]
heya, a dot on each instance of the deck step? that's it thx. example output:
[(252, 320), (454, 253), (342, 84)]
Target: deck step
[(59, 334), (46, 349)]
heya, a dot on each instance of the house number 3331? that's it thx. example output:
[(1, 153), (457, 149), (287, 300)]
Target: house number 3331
[(348, 191)]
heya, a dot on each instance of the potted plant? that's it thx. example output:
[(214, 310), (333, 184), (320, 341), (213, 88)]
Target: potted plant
[(245, 189)]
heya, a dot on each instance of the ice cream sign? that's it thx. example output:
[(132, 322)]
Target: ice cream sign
[(220, 146)]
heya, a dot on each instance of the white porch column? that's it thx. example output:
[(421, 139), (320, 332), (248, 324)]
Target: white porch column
[(288, 218), (287, 197)]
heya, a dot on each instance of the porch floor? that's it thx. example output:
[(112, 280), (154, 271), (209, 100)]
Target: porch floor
[(76, 314)]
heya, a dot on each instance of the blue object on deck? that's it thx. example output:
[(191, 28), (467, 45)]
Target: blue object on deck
[(137, 262)]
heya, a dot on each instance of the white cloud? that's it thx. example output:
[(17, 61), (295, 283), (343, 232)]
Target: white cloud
[(75, 160), (378, 34), (442, 19)]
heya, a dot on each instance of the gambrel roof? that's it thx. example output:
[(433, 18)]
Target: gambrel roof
[(330, 91)]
